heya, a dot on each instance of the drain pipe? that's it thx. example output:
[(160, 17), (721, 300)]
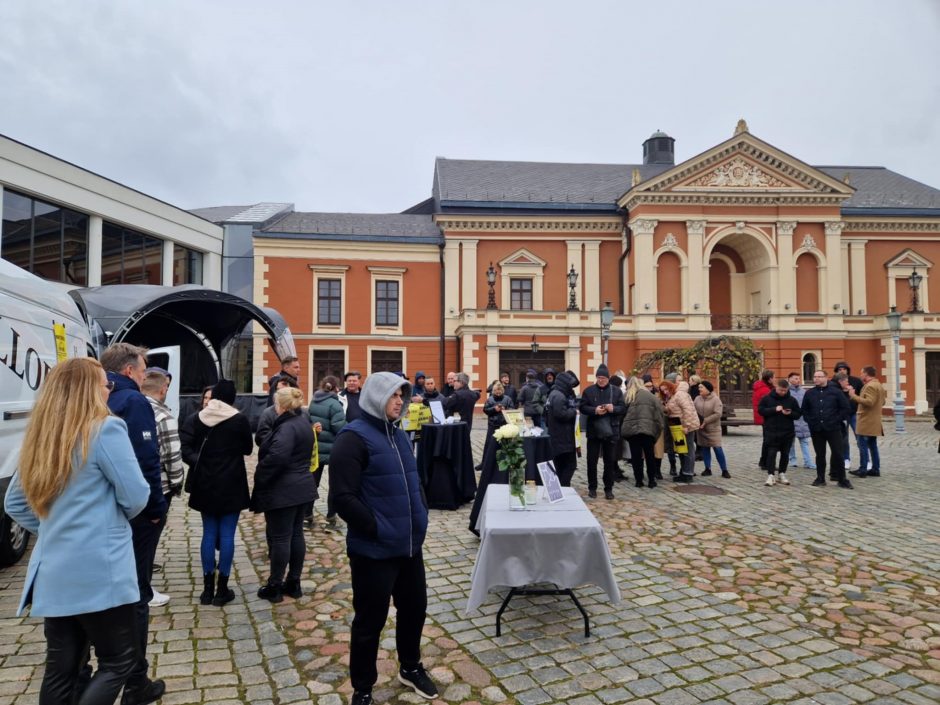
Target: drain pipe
[(443, 362), (626, 251)]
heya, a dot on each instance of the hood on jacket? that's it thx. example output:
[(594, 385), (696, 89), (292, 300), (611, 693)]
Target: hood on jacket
[(548, 371), (682, 387), (216, 412), (566, 381), (320, 395), (378, 389)]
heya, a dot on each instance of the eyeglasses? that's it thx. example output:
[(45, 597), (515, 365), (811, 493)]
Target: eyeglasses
[(109, 385)]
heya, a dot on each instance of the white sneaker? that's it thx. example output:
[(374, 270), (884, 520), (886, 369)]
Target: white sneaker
[(770, 481), (848, 464), (783, 479), (159, 599)]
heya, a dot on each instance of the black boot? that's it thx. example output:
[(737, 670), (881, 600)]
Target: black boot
[(208, 589), (142, 693), (292, 588), (272, 592), (223, 594)]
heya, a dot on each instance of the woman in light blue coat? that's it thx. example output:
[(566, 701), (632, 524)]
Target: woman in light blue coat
[(77, 485)]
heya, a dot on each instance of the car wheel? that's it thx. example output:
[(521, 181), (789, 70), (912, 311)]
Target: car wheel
[(14, 540)]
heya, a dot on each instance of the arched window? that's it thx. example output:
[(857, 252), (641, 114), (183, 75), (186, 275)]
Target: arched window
[(810, 365)]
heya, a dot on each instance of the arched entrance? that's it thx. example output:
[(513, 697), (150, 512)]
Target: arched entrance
[(742, 281)]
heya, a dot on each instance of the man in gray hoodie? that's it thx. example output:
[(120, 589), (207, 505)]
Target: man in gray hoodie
[(376, 490)]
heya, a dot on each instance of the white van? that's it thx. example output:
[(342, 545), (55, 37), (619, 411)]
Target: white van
[(40, 324)]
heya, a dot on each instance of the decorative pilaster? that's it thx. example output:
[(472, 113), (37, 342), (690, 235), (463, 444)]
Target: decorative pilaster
[(469, 274), (834, 303), (786, 267), (643, 266), (697, 277), (591, 281), (858, 287)]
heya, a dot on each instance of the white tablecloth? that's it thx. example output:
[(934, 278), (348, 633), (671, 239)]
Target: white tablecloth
[(547, 543)]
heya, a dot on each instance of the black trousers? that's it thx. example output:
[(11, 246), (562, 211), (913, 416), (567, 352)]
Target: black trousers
[(783, 448), (374, 582), (145, 535), (596, 448), (565, 465), (112, 633), (832, 438), (285, 533), (641, 447)]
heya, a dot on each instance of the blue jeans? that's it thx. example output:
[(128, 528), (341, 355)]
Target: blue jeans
[(719, 454), (845, 439), (869, 445), (807, 457), (218, 530)]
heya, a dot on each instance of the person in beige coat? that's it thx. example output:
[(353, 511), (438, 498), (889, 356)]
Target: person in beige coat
[(709, 408), (681, 411), (871, 401)]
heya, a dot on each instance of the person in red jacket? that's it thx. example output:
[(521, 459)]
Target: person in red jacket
[(761, 389)]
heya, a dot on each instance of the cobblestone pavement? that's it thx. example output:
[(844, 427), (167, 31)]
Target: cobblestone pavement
[(762, 595)]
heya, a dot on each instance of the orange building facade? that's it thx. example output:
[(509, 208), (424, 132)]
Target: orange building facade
[(743, 239)]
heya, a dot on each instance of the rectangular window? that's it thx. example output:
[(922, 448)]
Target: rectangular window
[(386, 303), (326, 363), (187, 265), (520, 294), (130, 257), (329, 302), (45, 239), (387, 361)]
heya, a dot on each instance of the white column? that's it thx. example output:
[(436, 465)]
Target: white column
[(95, 225), (920, 375), (834, 275), (859, 288), (451, 280), (644, 275), (592, 275), (697, 290), (167, 263), (212, 270), (492, 360), (846, 297), (468, 274)]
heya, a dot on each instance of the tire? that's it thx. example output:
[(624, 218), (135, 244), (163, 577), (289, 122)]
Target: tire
[(14, 540)]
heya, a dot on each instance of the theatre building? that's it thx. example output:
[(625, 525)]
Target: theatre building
[(509, 265)]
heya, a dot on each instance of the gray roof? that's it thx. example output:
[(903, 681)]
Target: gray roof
[(878, 187), (400, 227), (254, 213), (459, 182)]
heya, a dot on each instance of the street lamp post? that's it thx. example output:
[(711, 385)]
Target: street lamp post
[(894, 325), (607, 320), (572, 283)]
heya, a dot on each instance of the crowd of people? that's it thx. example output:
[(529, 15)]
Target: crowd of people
[(104, 455)]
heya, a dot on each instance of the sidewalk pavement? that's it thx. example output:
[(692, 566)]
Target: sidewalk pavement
[(762, 595)]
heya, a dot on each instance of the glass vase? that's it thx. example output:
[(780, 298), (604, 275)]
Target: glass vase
[(517, 487)]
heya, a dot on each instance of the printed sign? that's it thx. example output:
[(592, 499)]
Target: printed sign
[(61, 350), (515, 417), (418, 415), (551, 482), (437, 411)]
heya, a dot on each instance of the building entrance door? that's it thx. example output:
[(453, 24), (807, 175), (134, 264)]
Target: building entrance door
[(932, 360), (516, 362), (734, 390)]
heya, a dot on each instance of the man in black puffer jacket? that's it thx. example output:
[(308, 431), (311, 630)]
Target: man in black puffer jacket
[(602, 403), (561, 410), (463, 400), (376, 490), (826, 409)]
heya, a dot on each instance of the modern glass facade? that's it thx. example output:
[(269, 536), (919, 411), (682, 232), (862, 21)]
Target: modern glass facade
[(187, 265), (46, 239), (129, 256)]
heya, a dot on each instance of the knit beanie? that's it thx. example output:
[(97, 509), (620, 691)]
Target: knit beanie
[(224, 391), (672, 377), (602, 371)]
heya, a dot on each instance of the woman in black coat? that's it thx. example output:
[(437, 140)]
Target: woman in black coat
[(214, 443), (493, 408), (283, 485), (561, 410)]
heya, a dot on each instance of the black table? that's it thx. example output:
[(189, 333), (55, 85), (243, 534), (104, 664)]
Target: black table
[(538, 449), (445, 465)]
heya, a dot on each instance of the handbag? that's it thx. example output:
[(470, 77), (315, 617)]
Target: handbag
[(315, 456), (188, 482), (679, 443), (603, 428)]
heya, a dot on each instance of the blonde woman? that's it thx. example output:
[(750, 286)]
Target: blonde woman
[(77, 486), (283, 485)]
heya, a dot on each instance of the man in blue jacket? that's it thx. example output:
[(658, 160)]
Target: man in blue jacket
[(126, 366), (826, 409), (376, 490)]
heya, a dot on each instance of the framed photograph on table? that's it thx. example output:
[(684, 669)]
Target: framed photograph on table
[(551, 482)]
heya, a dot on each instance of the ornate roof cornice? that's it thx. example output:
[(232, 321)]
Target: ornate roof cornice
[(802, 198), (891, 225), (465, 223)]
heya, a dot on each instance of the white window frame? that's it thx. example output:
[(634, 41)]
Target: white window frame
[(332, 271), (388, 348), (396, 274)]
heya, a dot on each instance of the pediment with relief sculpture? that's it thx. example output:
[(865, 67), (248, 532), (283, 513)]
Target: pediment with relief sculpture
[(743, 167)]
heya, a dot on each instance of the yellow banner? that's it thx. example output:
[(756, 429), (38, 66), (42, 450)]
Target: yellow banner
[(417, 415), (61, 349)]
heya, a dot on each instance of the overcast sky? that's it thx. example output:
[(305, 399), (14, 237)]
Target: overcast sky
[(343, 106)]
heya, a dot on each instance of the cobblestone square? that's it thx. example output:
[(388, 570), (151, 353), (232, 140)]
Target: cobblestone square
[(762, 595)]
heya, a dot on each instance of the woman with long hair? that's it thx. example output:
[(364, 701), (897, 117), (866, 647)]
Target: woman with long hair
[(641, 427), (77, 486), (283, 485), (215, 442)]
